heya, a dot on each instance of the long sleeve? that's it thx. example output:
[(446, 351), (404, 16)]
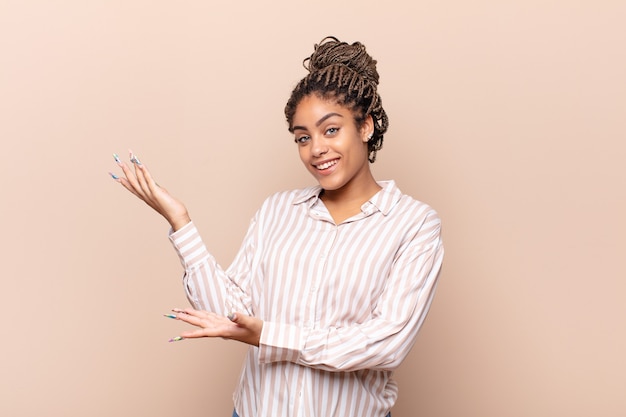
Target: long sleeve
[(341, 304), (383, 340), (207, 285)]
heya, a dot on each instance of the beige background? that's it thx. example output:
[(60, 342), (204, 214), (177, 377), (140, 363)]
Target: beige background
[(507, 117)]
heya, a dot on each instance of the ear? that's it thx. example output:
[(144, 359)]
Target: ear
[(367, 130)]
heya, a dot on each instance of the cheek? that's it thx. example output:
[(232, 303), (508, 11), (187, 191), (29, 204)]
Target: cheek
[(360, 148), (366, 151)]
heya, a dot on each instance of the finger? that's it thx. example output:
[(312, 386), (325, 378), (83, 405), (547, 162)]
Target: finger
[(248, 328), (189, 311), (131, 181), (240, 320), (140, 174), (152, 185), (194, 317), (195, 321), (213, 328), (245, 322), (123, 181), (126, 184), (196, 334)]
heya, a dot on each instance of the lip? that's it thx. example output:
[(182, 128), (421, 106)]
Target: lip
[(328, 170)]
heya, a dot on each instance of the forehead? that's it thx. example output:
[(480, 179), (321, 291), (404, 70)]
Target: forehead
[(313, 108)]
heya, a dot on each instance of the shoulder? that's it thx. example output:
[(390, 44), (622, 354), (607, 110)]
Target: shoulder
[(417, 222), (394, 202), (420, 208)]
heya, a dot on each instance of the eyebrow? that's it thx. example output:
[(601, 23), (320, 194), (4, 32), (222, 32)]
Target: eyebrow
[(319, 122)]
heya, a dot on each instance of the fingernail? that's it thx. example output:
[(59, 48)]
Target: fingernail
[(171, 316), (117, 159), (231, 316), (176, 339), (134, 159), (115, 177)]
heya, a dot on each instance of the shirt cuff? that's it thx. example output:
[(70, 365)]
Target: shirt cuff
[(281, 343), (188, 245)]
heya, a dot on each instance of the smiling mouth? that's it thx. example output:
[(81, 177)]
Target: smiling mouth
[(326, 165)]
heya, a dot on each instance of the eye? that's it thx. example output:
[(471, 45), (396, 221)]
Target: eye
[(302, 139), (332, 131)]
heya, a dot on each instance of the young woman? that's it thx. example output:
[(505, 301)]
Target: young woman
[(332, 282)]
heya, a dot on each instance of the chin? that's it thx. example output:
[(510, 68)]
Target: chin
[(330, 185)]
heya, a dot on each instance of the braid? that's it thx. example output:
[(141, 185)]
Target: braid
[(345, 73)]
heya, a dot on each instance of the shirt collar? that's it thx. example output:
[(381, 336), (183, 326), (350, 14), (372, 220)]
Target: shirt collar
[(383, 201), (387, 198), (309, 194)]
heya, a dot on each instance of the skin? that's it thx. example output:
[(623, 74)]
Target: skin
[(240, 327), (326, 133)]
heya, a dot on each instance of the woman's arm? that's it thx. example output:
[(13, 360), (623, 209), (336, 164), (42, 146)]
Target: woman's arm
[(208, 286), (383, 341)]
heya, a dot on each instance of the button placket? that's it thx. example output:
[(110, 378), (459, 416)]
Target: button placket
[(329, 241)]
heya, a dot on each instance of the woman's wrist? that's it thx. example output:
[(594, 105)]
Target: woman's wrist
[(179, 222)]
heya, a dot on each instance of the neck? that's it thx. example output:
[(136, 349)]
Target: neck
[(352, 196), (348, 195)]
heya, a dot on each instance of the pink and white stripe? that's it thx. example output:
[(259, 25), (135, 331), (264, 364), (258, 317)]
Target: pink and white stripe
[(341, 304)]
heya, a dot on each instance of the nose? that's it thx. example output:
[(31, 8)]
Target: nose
[(318, 146)]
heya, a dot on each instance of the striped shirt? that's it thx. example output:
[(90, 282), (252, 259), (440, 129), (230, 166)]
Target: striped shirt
[(341, 304)]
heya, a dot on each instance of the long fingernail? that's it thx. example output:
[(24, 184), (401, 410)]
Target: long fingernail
[(115, 177), (171, 316), (177, 339), (134, 159), (117, 159)]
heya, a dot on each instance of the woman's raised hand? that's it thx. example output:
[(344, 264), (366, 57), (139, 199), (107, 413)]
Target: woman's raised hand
[(142, 185)]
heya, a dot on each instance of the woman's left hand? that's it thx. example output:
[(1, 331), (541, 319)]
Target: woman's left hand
[(236, 326)]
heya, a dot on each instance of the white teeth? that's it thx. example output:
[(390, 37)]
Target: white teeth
[(326, 165)]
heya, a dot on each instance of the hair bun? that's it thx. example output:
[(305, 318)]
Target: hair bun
[(331, 51)]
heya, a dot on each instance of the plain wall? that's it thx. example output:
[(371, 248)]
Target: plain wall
[(509, 118)]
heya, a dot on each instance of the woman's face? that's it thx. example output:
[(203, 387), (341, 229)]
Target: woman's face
[(331, 146)]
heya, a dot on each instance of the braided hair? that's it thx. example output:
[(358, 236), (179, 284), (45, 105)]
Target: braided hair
[(346, 74)]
